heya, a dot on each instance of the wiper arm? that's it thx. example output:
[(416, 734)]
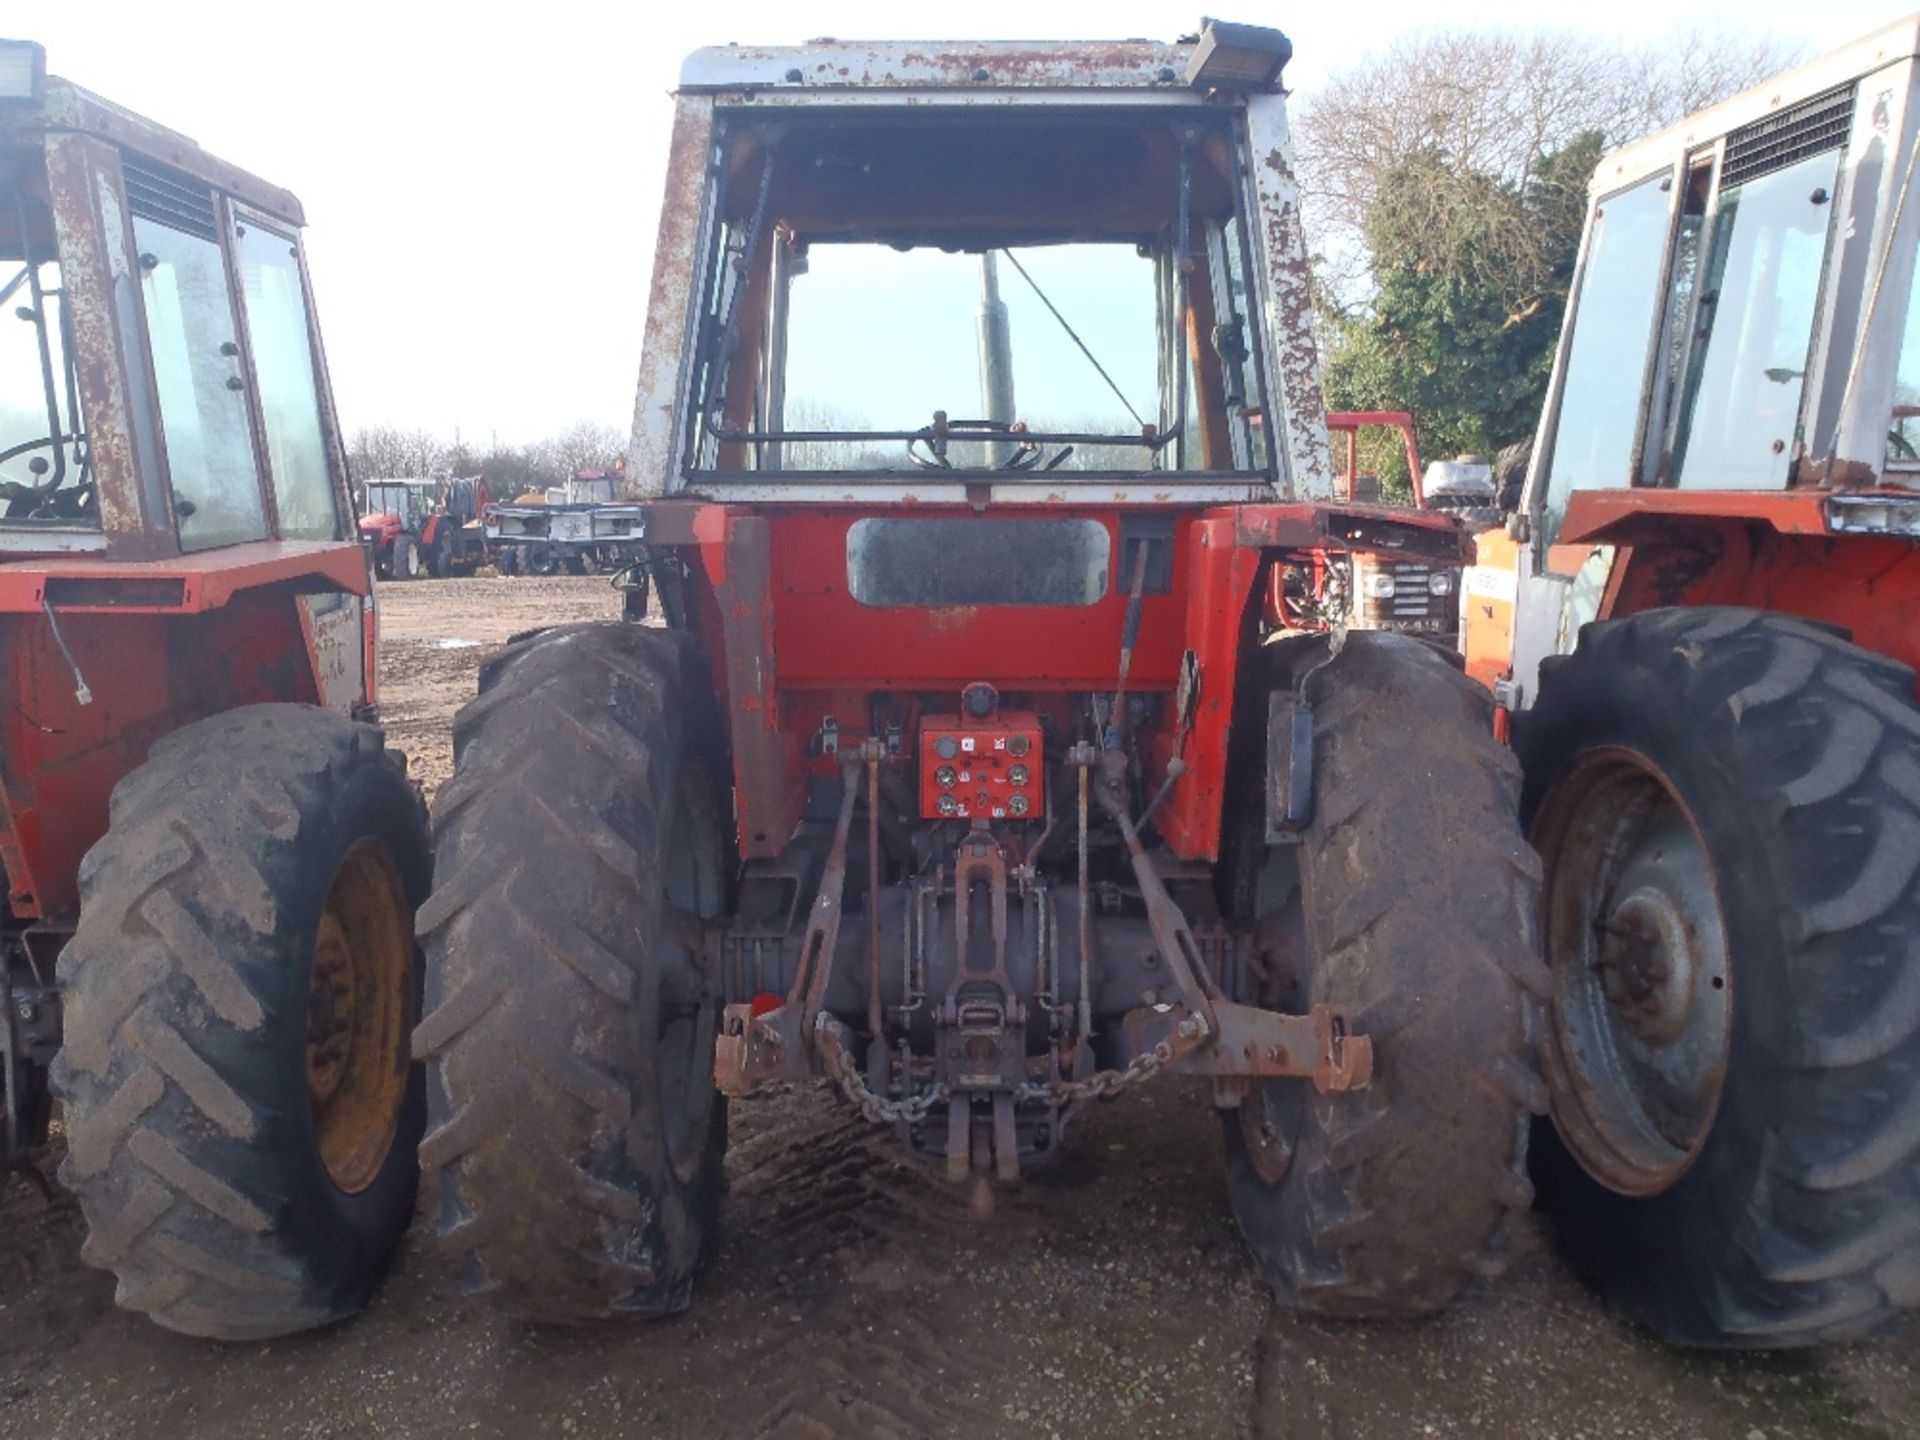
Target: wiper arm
[(1054, 311)]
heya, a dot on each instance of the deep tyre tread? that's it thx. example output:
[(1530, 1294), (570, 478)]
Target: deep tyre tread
[(546, 1145), (1798, 755), (185, 994), (1420, 897)]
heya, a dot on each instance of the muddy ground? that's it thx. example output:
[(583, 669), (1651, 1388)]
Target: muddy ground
[(852, 1296)]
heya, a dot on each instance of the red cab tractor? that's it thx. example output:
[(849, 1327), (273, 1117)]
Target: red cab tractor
[(416, 527), (1706, 626), (211, 861), (1003, 748)]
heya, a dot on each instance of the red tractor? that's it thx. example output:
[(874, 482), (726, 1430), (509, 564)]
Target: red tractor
[(985, 767), (1413, 595), (419, 527), (1705, 625), (211, 861)]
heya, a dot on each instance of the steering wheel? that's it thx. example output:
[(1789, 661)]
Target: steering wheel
[(49, 501)]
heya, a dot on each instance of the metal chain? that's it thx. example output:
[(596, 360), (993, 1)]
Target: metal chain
[(1053, 1093), (1102, 1083), (854, 1086)]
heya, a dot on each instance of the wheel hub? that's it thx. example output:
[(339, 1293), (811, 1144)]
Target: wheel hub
[(1268, 1132), (1647, 965), (357, 1001), (329, 1010), (1642, 1018)]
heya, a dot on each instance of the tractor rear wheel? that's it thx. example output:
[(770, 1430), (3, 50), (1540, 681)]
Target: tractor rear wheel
[(575, 1134), (1728, 803), (241, 1114), (1417, 895), (406, 559)]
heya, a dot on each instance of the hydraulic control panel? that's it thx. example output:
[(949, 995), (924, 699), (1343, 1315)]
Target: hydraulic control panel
[(981, 768)]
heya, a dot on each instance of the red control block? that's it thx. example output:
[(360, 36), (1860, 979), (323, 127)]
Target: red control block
[(981, 769)]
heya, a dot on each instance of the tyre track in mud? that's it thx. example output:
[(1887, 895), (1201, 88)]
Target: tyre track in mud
[(895, 1311), (852, 1294)]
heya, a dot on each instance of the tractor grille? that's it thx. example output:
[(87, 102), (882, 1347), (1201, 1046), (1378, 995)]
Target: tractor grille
[(1809, 128), (179, 201), (1412, 607), (1410, 598)]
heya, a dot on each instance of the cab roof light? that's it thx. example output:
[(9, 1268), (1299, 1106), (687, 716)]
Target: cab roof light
[(1238, 57), (23, 72)]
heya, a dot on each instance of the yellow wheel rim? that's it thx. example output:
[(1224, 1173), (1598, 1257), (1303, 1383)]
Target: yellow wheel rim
[(357, 1016)]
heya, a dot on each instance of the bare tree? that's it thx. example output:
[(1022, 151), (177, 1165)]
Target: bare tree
[(1493, 106), (583, 445), (378, 452)]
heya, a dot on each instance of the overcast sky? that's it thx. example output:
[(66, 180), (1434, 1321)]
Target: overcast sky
[(482, 181)]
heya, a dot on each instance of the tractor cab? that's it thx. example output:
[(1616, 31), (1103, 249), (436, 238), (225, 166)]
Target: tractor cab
[(1738, 383), (917, 284), (393, 505), (161, 389)]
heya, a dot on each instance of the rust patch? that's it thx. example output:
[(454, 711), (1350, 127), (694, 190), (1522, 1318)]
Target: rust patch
[(675, 256)]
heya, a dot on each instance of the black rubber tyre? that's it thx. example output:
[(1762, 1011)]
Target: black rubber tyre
[(1797, 754), (539, 560), (1419, 895), (574, 1128), (440, 562), (195, 1143), (507, 560), (406, 559)]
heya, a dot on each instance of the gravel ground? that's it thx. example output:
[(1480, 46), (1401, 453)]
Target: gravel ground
[(854, 1295)]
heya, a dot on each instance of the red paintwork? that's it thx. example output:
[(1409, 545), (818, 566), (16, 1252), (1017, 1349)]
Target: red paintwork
[(768, 599), (208, 579), (986, 753), (1596, 516), (1767, 550), (233, 638)]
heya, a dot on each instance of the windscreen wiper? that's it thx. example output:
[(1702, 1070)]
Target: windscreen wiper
[(1054, 310)]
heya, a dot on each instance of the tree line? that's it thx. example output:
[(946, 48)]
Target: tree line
[(394, 452), (1444, 185)]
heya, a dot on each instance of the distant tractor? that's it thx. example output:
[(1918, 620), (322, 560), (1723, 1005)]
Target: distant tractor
[(1003, 749), (419, 527), (211, 859), (1413, 595), (1705, 626), (392, 515)]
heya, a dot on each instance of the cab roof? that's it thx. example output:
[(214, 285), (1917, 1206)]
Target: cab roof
[(1889, 45), (66, 107)]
